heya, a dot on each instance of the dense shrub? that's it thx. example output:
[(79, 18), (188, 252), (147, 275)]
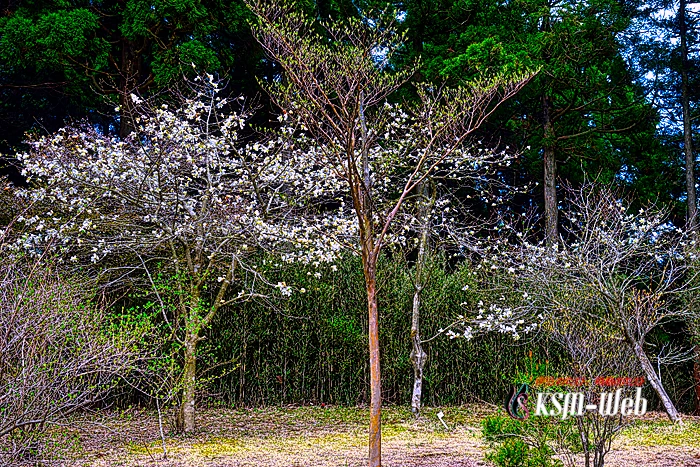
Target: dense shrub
[(312, 348), (527, 443), (59, 352)]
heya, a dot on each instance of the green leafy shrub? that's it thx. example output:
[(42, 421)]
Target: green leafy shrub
[(524, 443)]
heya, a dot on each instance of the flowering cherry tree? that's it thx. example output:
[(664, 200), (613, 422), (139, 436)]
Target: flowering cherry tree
[(336, 84), (187, 193)]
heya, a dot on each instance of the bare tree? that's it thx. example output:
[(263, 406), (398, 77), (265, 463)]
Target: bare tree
[(336, 85), (592, 353), (627, 271)]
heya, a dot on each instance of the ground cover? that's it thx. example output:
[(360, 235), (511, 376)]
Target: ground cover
[(332, 436)]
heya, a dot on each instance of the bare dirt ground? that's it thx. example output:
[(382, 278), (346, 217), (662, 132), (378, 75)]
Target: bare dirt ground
[(335, 436)]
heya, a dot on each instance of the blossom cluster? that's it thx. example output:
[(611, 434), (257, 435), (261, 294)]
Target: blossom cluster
[(614, 265), (185, 185)]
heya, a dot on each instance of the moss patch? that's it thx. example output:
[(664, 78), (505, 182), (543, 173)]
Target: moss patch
[(660, 433)]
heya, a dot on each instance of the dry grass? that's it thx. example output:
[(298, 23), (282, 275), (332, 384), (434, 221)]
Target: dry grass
[(336, 436), (294, 436)]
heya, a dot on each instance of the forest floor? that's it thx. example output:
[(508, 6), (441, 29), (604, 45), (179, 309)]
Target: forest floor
[(337, 436)]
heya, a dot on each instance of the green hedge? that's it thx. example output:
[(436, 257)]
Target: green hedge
[(312, 348)]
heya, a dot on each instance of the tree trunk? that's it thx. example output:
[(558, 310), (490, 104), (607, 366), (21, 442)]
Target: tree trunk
[(375, 422), (125, 111), (550, 176), (655, 382), (687, 128), (185, 417), (129, 71), (585, 441), (418, 356), (599, 459), (361, 188), (692, 214), (696, 377)]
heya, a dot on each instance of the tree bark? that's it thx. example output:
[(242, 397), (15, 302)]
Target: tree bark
[(696, 378), (655, 382), (692, 212), (361, 187), (687, 128), (375, 422), (185, 417), (418, 355), (694, 329), (129, 72), (551, 215)]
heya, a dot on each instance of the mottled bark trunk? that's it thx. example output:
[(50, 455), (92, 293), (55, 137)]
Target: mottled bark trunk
[(418, 355), (551, 215), (186, 412), (655, 382), (687, 128)]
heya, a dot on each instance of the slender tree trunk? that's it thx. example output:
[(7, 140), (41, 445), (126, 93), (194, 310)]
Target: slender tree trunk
[(418, 356), (694, 329), (187, 404), (241, 378), (361, 188), (129, 71), (369, 264), (692, 215), (696, 377), (687, 128), (655, 382), (375, 422), (185, 417), (599, 460), (551, 215), (585, 441)]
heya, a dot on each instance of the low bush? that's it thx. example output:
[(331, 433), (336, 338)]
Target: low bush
[(59, 352)]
